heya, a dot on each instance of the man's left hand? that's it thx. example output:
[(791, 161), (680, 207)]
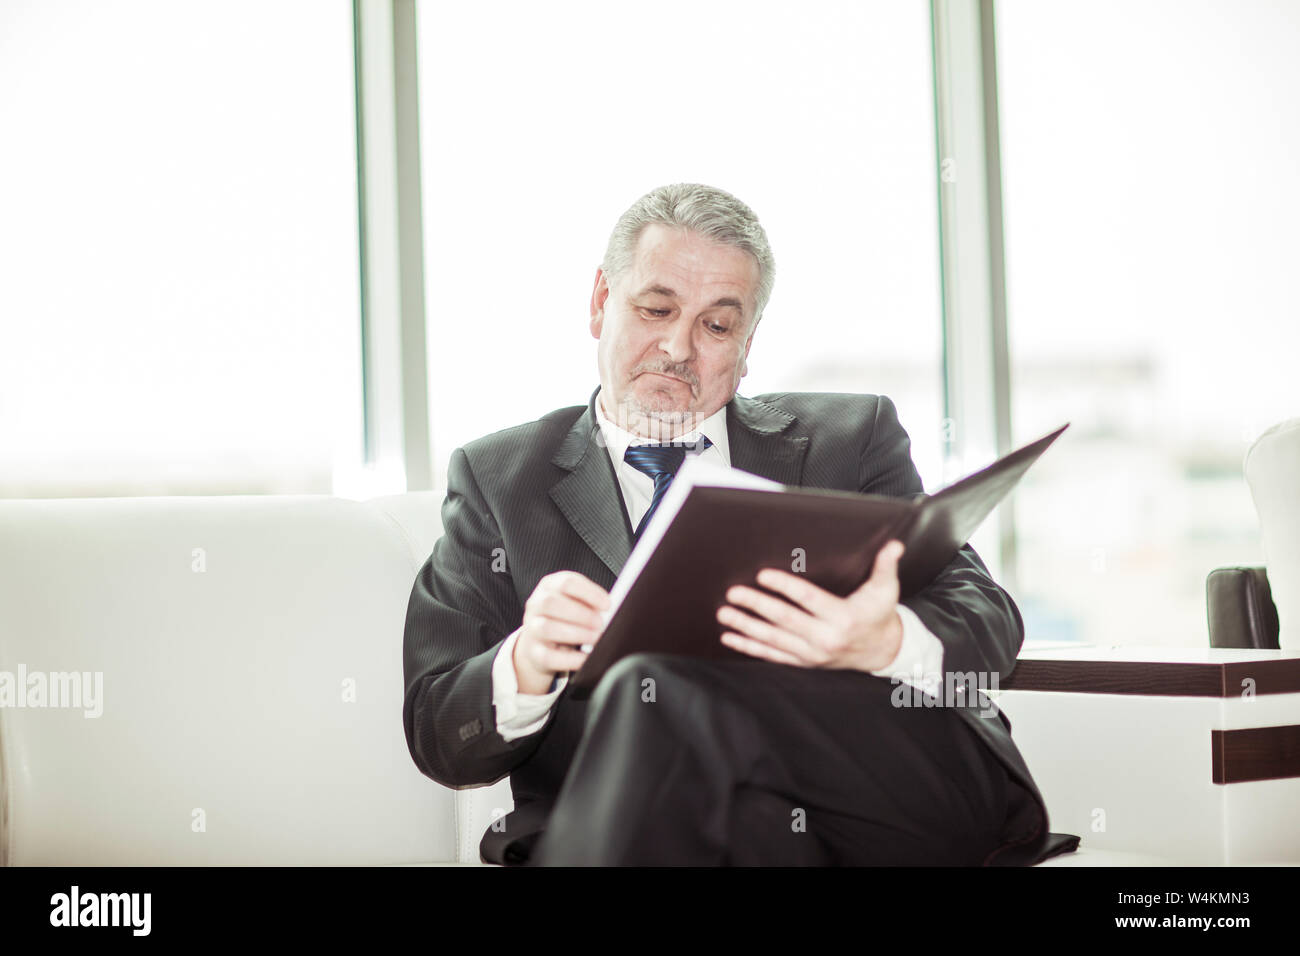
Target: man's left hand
[(819, 629)]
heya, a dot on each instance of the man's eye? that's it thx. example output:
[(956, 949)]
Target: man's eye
[(718, 328), (657, 313)]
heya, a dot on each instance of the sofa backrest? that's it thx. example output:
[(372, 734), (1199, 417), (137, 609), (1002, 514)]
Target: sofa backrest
[(1273, 473), (239, 691)]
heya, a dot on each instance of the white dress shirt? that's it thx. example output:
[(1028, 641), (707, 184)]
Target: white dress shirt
[(920, 655)]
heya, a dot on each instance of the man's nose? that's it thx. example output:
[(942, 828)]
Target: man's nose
[(678, 341)]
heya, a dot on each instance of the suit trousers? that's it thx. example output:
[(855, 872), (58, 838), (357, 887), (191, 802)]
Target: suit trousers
[(748, 762)]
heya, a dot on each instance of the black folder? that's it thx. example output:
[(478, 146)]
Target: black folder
[(719, 537)]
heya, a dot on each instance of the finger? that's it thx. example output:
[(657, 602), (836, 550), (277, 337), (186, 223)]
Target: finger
[(758, 649), (779, 612), (887, 561), (555, 606), (816, 601), (759, 630), (884, 571), (559, 632), (584, 589), (554, 660)]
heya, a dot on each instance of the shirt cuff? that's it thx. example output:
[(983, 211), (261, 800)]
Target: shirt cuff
[(518, 714), (920, 655)]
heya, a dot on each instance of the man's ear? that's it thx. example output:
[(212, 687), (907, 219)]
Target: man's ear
[(599, 295), (744, 365)]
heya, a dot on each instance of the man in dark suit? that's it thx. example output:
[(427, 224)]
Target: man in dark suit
[(795, 750)]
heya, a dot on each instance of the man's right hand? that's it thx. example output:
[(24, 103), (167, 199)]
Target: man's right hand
[(561, 615)]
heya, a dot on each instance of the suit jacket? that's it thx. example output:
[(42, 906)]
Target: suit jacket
[(544, 497)]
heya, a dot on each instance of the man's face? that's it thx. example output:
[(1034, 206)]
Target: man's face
[(674, 331)]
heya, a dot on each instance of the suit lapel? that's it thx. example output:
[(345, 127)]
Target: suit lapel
[(754, 432), (589, 496)]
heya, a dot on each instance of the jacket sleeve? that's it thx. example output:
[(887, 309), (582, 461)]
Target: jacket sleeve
[(463, 606), (976, 620)]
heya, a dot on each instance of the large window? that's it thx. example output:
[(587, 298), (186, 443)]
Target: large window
[(179, 255), (1151, 200), (178, 247), (541, 123)]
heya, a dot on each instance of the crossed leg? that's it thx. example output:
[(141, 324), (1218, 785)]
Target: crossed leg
[(691, 762)]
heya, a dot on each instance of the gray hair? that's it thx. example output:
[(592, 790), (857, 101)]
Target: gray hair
[(714, 214)]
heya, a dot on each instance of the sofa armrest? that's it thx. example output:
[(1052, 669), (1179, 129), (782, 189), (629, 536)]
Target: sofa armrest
[(1239, 604)]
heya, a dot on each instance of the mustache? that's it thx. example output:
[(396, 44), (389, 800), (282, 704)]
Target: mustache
[(676, 371)]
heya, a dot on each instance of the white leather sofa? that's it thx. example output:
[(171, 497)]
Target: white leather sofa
[(1272, 469), (250, 705)]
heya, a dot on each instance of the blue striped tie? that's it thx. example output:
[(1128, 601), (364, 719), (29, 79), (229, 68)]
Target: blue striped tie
[(660, 462)]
